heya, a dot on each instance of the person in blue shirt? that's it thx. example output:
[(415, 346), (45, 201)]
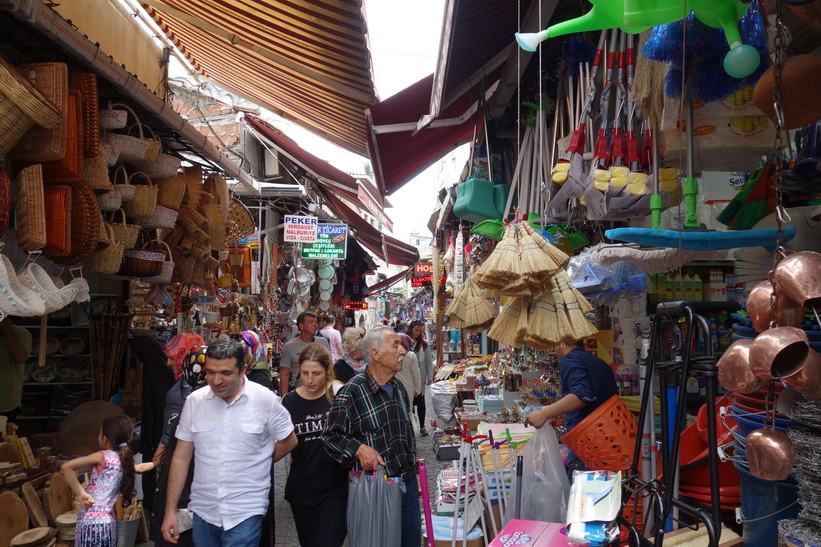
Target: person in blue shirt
[(586, 383)]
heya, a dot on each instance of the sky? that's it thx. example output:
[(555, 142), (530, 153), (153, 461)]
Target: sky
[(404, 41)]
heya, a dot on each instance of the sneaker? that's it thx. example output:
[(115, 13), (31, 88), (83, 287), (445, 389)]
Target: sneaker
[(423, 432)]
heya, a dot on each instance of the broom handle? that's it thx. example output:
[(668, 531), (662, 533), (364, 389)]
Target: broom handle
[(527, 142)]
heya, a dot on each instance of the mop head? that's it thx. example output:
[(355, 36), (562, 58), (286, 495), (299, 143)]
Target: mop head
[(704, 53), (700, 241), (655, 261)]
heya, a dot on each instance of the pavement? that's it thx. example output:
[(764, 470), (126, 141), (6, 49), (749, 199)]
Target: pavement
[(286, 535)]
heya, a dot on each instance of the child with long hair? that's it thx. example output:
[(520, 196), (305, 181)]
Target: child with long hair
[(112, 475)]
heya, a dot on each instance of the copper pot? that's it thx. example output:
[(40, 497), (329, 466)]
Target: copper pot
[(807, 380), (779, 352), (770, 453), (734, 371), (789, 313), (799, 277)]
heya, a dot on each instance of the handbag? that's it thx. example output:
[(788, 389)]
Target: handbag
[(374, 510)]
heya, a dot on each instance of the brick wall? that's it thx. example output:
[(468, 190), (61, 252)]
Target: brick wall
[(221, 117)]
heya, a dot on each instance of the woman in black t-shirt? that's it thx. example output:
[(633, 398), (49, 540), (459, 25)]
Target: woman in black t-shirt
[(352, 361), (317, 486)]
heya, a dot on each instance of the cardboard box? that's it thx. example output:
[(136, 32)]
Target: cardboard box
[(714, 292), (531, 533)]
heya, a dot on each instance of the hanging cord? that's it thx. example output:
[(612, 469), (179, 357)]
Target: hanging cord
[(781, 215)]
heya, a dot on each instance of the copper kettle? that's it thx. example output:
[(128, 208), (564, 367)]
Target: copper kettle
[(789, 313), (734, 370), (770, 453), (798, 277), (779, 352), (807, 380)]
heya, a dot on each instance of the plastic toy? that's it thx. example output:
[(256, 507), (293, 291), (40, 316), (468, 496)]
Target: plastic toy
[(635, 16)]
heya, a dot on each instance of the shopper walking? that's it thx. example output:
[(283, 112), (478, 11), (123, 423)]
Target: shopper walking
[(416, 330), (288, 367), (409, 375), (232, 430), (368, 424), (334, 338), (353, 357), (112, 474), (317, 485)]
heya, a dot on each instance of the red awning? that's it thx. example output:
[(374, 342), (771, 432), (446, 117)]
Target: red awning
[(382, 285), (397, 155)]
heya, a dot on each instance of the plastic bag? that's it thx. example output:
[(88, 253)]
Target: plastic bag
[(374, 509), (545, 491)]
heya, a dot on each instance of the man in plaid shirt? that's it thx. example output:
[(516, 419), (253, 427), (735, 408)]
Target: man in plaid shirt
[(369, 424)]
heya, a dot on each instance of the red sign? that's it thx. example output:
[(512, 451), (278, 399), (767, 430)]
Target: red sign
[(356, 305), (424, 281)]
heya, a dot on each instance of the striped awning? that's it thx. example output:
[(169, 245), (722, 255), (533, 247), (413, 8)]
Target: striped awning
[(307, 61)]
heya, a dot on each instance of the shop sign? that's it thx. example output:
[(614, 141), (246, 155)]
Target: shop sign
[(300, 229), (250, 240), (356, 305), (331, 243), (423, 274)]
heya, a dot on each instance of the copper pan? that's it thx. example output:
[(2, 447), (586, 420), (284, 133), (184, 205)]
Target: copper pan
[(734, 371), (770, 453), (779, 352), (807, 380), (798, 276), (789, 313)]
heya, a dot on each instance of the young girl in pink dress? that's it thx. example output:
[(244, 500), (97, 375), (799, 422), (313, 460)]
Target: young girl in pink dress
[(112, 475)]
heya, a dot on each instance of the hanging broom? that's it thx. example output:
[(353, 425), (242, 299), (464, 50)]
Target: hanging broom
[(563, 281), (505, 326), (523, 323), (502, 262), (553, 255), (574, 302), (564, 330), (544, 322), (536, 265)]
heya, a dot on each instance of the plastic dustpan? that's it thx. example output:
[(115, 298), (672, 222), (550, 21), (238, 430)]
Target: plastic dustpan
[(474, 200), (491, 228)]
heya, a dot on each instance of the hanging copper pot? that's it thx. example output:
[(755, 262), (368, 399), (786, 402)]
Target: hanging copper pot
[(807, 380), (789, 313), (779, 352), (799, 277), (770, 453), (734, 370)]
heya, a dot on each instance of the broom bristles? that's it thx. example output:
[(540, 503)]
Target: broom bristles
[(505, 326), (543, 319), (504, 259), (562, 280), (523, 323), (563, 328), (553, 253)]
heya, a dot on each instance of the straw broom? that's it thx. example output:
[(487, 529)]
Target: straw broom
[(580, 326), (540, 260), (565, 284), (505, 326), (524, 322), (544, 321), (553, 253), (564, 330), (503, 261)]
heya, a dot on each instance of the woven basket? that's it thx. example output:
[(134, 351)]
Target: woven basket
[(70, 166), (240, 222), (85, 224), (132, 149), (154, 144), (141, 263), (192, 219), (187, 242), (31, 211), (58, 226), (171, 191), (167, 271), (164, 166), (96, 173), (107, 260), (162, 217), (110, 201), (193, 185), (123, 184), (145, 197), (124, 233), (111, 118), (5, 200), (42, 144), (175, 236), (72, 345), (200, 252), (16, 299), (35, 278), (86, 84), (216, 226), (21, 107), (111, 150), (184, 269)]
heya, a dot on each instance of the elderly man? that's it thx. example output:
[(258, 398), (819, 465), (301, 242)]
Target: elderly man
[(368, 424), (233, 430), (289, 362)]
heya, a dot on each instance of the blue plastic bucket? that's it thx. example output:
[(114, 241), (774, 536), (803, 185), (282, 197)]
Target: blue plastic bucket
[(763, 504), (748, 422)]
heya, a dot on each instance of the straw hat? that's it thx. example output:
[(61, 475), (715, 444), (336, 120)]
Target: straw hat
[(15, 298)]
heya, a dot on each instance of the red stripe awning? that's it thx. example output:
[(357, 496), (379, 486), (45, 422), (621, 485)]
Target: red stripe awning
[(382, 285)]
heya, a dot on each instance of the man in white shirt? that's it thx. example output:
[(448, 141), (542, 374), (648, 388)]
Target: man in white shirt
[(233, 430), (289, 361), (334, 338)]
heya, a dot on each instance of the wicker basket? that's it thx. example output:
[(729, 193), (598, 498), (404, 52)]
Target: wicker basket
[(110, 201), (162, 217), (123, 184), (240, 222), (124, 233), (145, 197), (107, 260), (72, 345), (21, 107), (111, 118), (154, 144), (164, 166), (31, 211), (69, 167), (167, 271), (96, 173), (111, 150), (216, 226), (85, 224), (193, 185), (171, 191), (86, 84), (42, 144), (58, 225), (175, 236), (192, 219), (143, 262), (35, 278)]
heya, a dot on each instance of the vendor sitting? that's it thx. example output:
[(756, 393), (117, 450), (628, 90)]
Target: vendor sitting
[(586, 383)]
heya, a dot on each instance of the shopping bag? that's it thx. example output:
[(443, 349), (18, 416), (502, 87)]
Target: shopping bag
[(374, 509), (545, 492)]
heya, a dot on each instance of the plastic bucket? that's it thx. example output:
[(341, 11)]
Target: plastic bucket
[(127, 532), (747, 423), (606, 438), (763, 504)]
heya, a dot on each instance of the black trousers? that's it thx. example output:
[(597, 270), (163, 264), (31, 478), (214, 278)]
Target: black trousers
[(419, 403), (321, 525)]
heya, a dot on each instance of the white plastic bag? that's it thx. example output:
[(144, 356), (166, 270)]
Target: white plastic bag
[(545, 486)]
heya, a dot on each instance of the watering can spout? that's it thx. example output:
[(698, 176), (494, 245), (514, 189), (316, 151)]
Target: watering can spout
[(595, 19)]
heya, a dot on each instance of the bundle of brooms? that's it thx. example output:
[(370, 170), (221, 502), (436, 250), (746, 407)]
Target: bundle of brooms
[(470, 311), (544, 312)]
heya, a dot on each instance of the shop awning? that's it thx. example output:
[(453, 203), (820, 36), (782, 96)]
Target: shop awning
[(382, 285), (398, 153), (308, 61)]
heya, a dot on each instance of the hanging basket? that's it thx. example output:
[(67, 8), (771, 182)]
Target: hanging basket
[(164, 166), (122, 184), (57, 198), (110, 201), (124, 233), (85, 224), (240, 223), (107, 260), (96, 173), (216, 226), (31, 211), (110, 150), (193, 185), (145, 197), (153, 142), (21, 107), (161, 217), (42, 144), (167, 271), (171, 191), (111, 118), (142, 262)]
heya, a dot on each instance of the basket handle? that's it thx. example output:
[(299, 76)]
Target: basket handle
[(166, 246), (135, 173), (120, 210), (131, 111), (117, 171), (109, 232), (140, 127)]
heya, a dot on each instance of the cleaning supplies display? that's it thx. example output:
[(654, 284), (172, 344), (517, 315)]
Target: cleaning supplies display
[(594, 504)]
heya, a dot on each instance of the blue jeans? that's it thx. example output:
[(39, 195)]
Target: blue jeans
[(244, 534), (411, 516)]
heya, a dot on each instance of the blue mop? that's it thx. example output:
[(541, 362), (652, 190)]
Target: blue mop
[(700, 241)]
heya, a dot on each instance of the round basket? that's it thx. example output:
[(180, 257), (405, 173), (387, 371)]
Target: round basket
[(153, 142), (122, 184), (171, 191), (145, 197), (43, 374), (111, 118), (72, 345), (142, 262), (110, 150), (606, 437), (164, 166), (164, 277), (109, 259), (110, 201), (162, 217), (124, 233), (132, 149), (240, 222), (52, 345), (85, 224), (72, 374)]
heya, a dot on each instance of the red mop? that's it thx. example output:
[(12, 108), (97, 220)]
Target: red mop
[(423, 478)]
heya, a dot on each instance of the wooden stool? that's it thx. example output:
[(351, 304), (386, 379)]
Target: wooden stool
[(36, 537), (66, 526)]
